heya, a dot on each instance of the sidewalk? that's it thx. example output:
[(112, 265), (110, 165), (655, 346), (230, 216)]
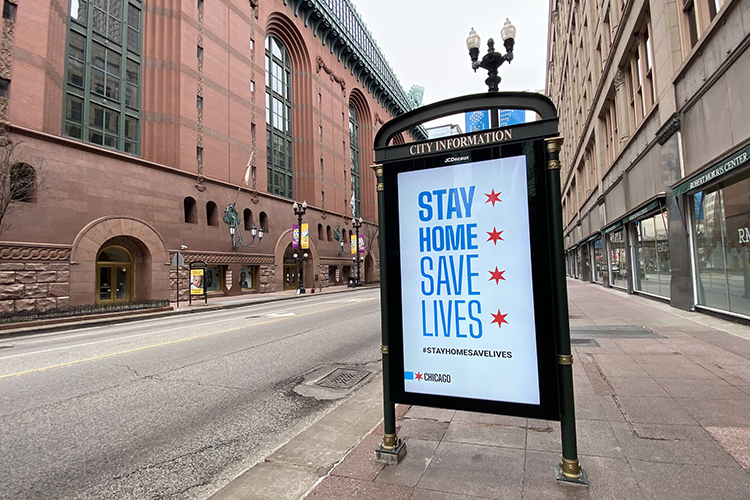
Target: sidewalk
[(657, 418)]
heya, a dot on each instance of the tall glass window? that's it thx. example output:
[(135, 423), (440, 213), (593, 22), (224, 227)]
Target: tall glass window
[(653, 270), (721, 227), (102, 82), (279, 119), (354, 157), (598, 261), (618, 259)]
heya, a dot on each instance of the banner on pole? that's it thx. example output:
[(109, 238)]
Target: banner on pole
[(305, 239), (353, 244), (295, 236)]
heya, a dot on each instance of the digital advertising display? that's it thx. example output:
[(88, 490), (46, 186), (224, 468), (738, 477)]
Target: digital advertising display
[(470, 312), (466, 280)]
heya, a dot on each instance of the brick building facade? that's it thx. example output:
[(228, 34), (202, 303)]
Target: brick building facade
[(137, 119)]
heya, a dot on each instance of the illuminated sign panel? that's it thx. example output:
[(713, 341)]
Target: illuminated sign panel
[(466, 279)]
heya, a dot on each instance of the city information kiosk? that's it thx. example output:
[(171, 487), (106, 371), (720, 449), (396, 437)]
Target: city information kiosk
[(474, 307)]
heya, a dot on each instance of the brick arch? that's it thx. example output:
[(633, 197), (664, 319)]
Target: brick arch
[(152, 258), (313, 260), (303, 124), (358, 100)]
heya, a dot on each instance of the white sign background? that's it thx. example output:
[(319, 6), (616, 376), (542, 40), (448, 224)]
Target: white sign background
[(478, 368)]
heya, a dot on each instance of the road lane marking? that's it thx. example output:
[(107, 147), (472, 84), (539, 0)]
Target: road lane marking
[(280, 315), (161, 344)]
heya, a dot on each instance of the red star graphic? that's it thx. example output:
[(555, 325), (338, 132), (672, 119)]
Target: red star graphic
[(494, 235), (493, 197), (499, 319), (418, 376), (497, 275)]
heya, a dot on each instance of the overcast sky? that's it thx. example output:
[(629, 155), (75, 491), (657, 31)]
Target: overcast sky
[(425, 42)]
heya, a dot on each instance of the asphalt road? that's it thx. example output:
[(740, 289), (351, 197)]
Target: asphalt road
[(173, 407)]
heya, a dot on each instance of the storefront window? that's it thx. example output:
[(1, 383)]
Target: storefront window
[(585, 262), (213, 278), (653, 271), (618, 260), (247, 280), (721, 222), (598, 261)]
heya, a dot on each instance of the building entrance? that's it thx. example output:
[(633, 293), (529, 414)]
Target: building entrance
[(114, 275)]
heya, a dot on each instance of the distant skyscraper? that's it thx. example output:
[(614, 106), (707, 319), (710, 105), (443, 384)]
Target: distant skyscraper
[(480, 120), (512, 117), (477, 120)]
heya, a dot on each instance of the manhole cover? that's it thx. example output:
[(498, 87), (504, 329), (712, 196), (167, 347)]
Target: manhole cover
[(584, 343), (342, 378), (613, 332)]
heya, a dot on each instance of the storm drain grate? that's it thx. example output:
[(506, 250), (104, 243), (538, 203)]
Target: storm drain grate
[(613, 332), (584, 343), (342, 378)]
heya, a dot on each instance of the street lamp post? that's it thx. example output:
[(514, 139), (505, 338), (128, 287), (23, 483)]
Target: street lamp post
[(299, 211), (492, 60), (232, 218), (357, 223)]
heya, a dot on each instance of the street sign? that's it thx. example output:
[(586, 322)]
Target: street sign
[(178, 259)]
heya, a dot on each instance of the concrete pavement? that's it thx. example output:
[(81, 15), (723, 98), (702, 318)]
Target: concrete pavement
[(657, 418)]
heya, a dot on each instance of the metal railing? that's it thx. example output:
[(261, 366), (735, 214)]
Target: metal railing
[(82, 310)]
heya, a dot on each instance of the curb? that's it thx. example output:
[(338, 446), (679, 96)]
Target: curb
[(63, 324)]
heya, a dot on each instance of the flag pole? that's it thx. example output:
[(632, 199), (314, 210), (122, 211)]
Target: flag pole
[(247, 172)]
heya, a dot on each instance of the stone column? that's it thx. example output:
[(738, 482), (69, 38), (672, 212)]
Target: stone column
[(621, 107)]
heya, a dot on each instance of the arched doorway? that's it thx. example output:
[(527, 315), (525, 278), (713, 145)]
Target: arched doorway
[(291, 268), (369, 273), (114, 275)]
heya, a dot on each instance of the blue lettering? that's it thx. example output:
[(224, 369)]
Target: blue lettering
[(478, 332), (442, 278), (446, 321), (470, 274), (453, 206), (424, 323), (438, 238), (455, 237), (439, 193), (471, 236), (468, 202), (432, 285), (459, 319), (457, 280), (424, 199), (424, 239)]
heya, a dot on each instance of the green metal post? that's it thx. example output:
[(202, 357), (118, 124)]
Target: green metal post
[(569, 469), (392, 449)]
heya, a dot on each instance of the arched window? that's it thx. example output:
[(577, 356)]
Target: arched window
[(354, 157), (263, 219), (329, 237), (247, 216), (321, 236), (22, 183), (279, 119), (191, 210), (212, 214)]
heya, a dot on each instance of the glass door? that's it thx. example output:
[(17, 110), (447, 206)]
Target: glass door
[(114, 275)]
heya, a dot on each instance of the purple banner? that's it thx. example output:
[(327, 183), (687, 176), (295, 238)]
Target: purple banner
[(295, 236)]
